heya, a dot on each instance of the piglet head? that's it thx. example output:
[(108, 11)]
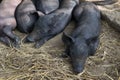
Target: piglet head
[(78, 52)]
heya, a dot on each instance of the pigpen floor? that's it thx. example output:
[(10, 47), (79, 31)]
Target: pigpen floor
[(46, 63)]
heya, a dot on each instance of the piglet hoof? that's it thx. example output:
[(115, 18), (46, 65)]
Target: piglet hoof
[(37, 45), (25, 40), (28, 40), (16, 43)]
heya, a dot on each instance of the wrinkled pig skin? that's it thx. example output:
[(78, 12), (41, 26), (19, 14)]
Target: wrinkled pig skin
[(84, 40), (26, 15), (52, 24), (47, 6), (8, 22)]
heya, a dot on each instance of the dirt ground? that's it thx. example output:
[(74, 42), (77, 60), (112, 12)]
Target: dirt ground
[(46, 63)]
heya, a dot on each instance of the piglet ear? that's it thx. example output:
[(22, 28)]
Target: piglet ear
[(40, 13), (67, 39), (37, 13)]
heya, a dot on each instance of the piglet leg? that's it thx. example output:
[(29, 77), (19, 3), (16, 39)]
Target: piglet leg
[(16, 40), (42, 41), (5, 40)]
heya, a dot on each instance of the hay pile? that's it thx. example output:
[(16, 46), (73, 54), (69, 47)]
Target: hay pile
[(46, 63)]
